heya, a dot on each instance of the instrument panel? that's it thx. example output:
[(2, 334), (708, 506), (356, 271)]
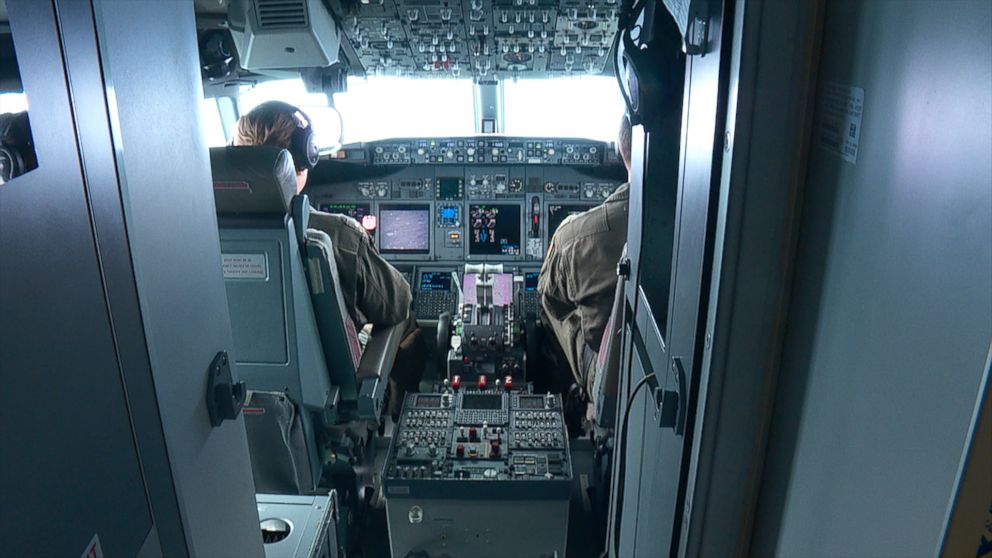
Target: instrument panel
[(435, 204)]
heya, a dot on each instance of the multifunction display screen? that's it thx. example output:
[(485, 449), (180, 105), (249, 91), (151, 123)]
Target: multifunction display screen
[(558, 212), (449, 188), (531, 402), (405, 229), (482, 401), (494, 230), (448, 216), (435, 281), (354, 210), (530, 281)]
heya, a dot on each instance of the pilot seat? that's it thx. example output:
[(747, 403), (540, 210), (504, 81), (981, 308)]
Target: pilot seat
[(312, 389)]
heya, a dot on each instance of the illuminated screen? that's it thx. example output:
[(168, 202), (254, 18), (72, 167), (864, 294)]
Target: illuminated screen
[(435, 281), (531, 402), (494, 230), (354, 210), (429, 401), (449, 188), (448, 215), (404, 229), (482, 401), (558, 212), (530, 281)]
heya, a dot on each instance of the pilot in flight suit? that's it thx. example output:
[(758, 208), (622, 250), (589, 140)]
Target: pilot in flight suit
[(374, 291), (578, 277)]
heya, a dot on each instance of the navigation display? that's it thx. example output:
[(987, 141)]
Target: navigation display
[(494, 230), (558, 212), (354, 210), (449, 188), (435, 281), (530, 281), (405, 229)]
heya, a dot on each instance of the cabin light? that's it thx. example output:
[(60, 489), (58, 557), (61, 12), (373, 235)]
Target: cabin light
[(370, 223)]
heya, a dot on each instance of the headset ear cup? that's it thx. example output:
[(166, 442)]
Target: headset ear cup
[(11, 164), (302, 144), (11, 160), (304, 149), (313, 154)]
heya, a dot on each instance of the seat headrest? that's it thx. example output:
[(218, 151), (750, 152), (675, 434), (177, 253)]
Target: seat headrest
[(253, 180)]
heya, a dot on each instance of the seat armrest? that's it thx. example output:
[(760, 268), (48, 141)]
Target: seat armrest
[(380, 351), (374, 368)]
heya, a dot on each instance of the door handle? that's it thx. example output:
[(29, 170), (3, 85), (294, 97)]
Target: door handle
[(225, 397)]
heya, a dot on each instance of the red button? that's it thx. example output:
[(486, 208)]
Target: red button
[(460, 450), (508, 382), (482, 381), (456, 381)]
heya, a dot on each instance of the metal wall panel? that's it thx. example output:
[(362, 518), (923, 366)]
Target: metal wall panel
[(172, 228), (891, 316), (69, 466), (664, 337)]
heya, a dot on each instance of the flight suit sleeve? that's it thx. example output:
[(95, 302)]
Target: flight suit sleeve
[(553, 284), (384, 296), (560, 312)]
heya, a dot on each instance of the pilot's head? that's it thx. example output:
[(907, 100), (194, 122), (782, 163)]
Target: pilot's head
[(623, 141), (281, 125)]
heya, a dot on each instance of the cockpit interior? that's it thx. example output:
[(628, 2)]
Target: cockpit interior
[(673, 277)]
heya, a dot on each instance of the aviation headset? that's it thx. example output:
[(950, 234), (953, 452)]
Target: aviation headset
[(648, 69), (302, 145), (16, 146)]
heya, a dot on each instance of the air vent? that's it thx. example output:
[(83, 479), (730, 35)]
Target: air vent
[(281, 14)]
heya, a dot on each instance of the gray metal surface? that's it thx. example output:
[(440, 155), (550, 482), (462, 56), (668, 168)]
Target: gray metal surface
[(312, 520), (666, 331), (482, 529), (890, 318), (775, 46), (63, 409), (89, 99), (169, 209)]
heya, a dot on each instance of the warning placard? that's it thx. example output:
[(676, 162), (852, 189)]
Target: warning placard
[(841, 109), (245, 266)]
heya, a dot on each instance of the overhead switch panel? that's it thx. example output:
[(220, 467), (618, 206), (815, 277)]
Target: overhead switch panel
[(280, 34)]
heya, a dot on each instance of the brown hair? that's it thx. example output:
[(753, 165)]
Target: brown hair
[(623, 141), (271, 123)]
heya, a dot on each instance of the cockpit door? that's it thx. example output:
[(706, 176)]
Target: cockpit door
[(674, 181)]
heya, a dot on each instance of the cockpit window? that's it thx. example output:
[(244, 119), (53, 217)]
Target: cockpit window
[(581, 107), (326, 122), (13, 102), (384, 107), (375, 108), (213, 128), (380, 107)]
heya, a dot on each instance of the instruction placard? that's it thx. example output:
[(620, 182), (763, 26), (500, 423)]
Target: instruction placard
[(245, 266), (839, 130)]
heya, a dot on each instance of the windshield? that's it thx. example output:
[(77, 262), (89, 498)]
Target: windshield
[(383, 107), (579, 107), (13, 102)]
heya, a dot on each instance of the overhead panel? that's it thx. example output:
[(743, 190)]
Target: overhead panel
[(484, 39)]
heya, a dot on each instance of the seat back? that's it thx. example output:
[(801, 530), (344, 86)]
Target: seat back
[(605, 368), (360, 377), (276, 342), (338, 337)]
